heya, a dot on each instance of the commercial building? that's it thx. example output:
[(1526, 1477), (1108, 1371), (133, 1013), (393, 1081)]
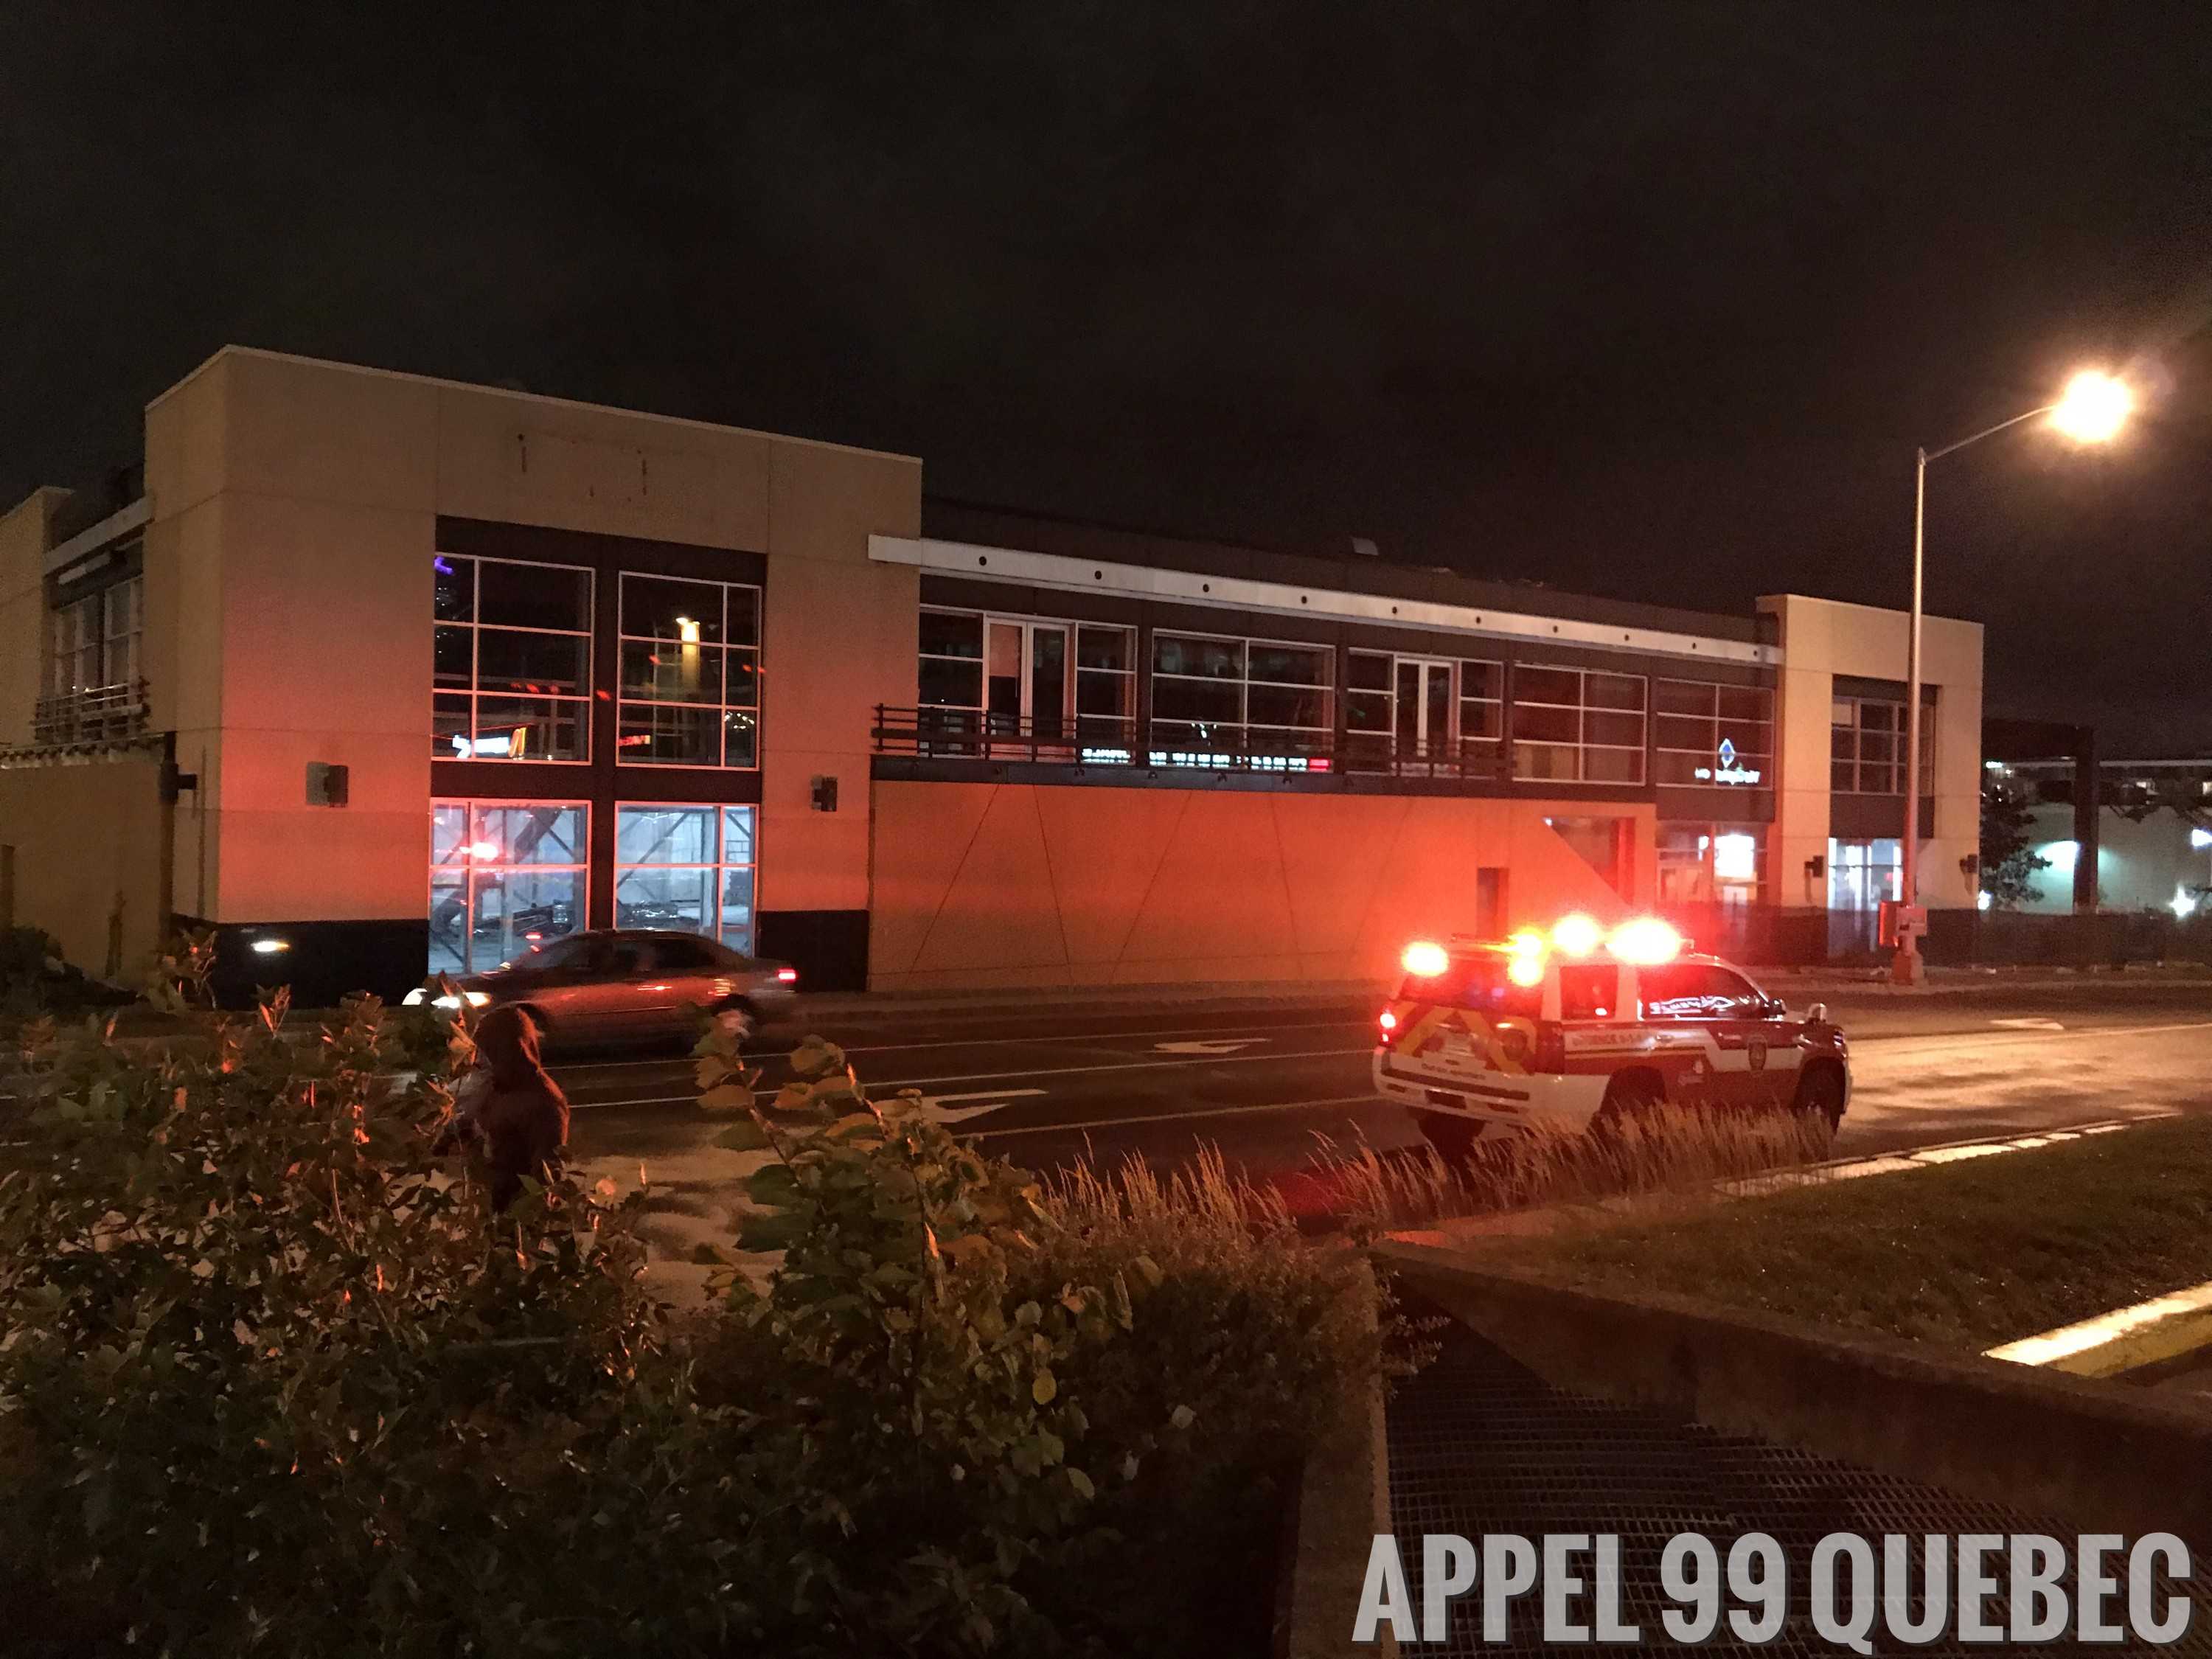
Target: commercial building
[(376, 674)]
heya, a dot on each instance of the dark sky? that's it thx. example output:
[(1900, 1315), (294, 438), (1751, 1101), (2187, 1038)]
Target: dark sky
[(1654, 300)]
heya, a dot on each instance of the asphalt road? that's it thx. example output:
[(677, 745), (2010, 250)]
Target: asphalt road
[(1269, 1086)]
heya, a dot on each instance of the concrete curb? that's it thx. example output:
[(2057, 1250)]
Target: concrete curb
[(1344, 1500), (2091, 1454)]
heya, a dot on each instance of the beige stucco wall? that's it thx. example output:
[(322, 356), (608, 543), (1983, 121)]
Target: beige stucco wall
[(87, 857), (23, 539), (290, 610), (1823, 638), (982, 884)]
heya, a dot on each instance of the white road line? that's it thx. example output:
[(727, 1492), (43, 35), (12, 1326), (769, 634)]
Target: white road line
[(925, 1084), (933, 1105), (2031, 1024), (1173, 1117), (1952, 1039), (1360, 1023), (2011, 1039), (1975, 1033)]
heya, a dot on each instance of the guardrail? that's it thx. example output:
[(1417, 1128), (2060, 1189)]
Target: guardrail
[(99, 714), (1115, 740)]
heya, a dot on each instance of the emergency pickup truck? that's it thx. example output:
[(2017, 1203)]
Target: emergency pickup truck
[(1578, 1027)]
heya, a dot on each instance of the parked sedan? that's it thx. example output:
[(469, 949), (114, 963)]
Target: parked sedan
[(629, 983)]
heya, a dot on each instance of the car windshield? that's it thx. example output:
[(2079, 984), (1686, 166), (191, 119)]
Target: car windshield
[(1479, 983)]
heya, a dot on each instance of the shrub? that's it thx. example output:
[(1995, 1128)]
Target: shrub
[(272, 1381), (265, 1366)]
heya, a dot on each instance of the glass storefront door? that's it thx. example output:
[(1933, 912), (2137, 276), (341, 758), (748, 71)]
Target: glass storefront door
[(1026, 676), (1860, 875)]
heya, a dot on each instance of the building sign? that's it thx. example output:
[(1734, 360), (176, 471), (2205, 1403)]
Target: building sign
[(1728, 771)]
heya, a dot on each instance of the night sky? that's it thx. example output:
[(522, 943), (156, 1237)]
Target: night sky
[(1653, 301)]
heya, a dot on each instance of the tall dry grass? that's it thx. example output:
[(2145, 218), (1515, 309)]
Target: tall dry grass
[(1674, 1153)]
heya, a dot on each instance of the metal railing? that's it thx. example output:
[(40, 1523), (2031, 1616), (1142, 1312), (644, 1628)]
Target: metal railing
[(98, 714), (1113, 740), (973, 734)]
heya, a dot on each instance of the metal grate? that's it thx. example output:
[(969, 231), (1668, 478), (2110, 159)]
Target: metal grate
[(1481, 1444)]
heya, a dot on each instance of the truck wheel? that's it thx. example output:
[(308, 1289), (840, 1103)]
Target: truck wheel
[(1821, 1092), (1630, 1098), (1454, 1138)]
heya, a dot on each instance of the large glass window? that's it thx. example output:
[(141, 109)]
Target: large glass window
[(1706, 734), (94, 641), (514, 661), (124, 621), (1866, 747), (1029, 679), (1215, 699), (504, 876), (1414, 713), (951, 669), (690, 673), (689, 867), (1578, 725)]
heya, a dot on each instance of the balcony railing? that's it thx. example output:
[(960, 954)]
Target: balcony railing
[(1112, 740), (98, 714)]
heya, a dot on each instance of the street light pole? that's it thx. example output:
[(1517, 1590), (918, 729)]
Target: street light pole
[(2092, 410), (1907, 968)]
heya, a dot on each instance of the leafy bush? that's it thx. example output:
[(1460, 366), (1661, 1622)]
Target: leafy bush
[(1081, 1394), (273, 1381), (261, 1359)]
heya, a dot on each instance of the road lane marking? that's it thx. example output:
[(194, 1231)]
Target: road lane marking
[(933, 1106), (2034, 1024), (1358, 1023), (1218, 1046), (681, 1063), (878, 1089), (1173, 1117), (2010, 1039)]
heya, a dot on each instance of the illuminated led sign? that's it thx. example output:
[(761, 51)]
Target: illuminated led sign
[(1728, 771)]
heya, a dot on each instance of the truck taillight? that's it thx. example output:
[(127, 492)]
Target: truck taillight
[(1387, 1024), (786, 975)]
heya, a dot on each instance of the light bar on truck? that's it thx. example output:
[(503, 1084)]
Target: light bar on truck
[(1424, 959), (1577, 935), (1645, 940)]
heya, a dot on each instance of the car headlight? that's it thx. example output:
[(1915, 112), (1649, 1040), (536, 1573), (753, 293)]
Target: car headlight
[(475, 999), (415, 998)]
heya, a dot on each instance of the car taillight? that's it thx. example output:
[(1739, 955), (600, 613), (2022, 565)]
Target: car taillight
[(786, 975)]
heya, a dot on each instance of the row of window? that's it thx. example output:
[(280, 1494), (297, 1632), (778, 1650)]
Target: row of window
[(513, 676), (507, 876), (94, 641), (1219, 695)]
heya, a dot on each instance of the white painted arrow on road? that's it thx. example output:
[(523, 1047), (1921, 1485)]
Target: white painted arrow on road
[(1211, 1046), (934, 1109)]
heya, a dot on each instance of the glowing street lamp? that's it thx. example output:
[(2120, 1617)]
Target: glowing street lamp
[(2091, 409)]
